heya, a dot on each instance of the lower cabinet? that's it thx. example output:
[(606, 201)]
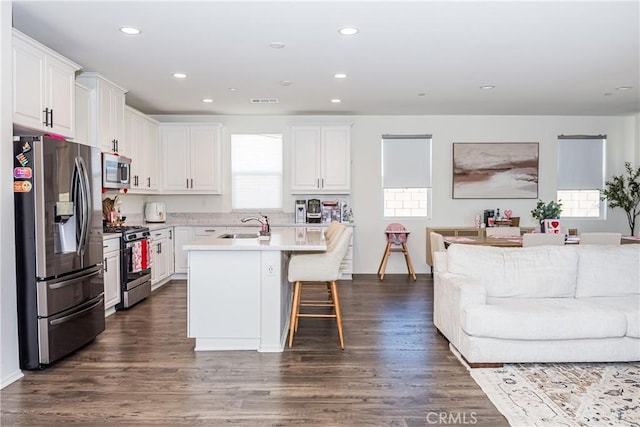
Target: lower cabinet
[(111, 254), (186, 235), (163, 264)]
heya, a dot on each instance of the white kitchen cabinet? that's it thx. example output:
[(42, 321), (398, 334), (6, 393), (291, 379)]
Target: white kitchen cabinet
[(107, 112), (321, 159), (111, 254), (162, 265), (141, 134), (184, 235), (43, 87), (190, 158), (83, 115)]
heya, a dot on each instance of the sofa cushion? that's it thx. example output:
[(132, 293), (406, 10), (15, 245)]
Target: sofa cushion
[(536, 272), (628, 304), (605, 270), (543, 319)]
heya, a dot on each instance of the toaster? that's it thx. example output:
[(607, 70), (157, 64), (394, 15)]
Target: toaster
[(155, 212)]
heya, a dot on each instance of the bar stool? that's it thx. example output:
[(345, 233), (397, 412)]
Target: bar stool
[(319, 268), (397, 235)]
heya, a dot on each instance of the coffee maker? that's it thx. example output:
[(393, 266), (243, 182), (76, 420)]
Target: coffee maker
[(314, 212), (301, 211)]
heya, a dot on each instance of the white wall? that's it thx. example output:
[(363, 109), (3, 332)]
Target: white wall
[(623, 143), (9, 364)]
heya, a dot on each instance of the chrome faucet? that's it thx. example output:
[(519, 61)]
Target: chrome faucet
[(262, 220), (265, 228)]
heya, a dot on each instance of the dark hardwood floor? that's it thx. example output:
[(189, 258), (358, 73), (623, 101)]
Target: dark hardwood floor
[(396, 370)]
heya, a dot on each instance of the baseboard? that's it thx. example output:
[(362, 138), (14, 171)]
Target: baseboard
[(11, 378)]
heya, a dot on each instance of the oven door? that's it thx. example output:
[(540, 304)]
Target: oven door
[(136, 272)]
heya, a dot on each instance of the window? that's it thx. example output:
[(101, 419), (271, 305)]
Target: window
[(581, 171), (406, 175), (256, 171)]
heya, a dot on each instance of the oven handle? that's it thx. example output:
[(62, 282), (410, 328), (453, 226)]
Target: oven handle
[(74, 315)]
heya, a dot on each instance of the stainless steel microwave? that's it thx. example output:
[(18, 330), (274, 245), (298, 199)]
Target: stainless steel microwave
[(116, 171)]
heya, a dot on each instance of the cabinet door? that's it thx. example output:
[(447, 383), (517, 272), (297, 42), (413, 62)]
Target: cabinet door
[(150, 137), (83, 116), (183, 235), (133, 134), (111, 278), (335, 159), (106, 139), (28, 85), (305, 160), (117, 120), (175, 158), (159, 267), (205, 159), (60, 86)]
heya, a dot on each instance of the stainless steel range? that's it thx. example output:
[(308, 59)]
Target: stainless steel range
[(136, 256)]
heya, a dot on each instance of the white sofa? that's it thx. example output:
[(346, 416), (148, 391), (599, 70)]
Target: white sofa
[(573, 303)]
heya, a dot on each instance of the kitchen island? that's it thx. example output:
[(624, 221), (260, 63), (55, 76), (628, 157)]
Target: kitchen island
[(238, 295)]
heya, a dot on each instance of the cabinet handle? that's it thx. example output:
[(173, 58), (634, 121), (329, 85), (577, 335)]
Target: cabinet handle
[(322, 183), (106, 266), (51, 119), (149, 181), (318, 183), (46, 117), (159, 248), (187, 182), (170, 233), (113, 145), (191, 182)]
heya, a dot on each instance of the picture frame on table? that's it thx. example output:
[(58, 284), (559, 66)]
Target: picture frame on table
[(495, 170)]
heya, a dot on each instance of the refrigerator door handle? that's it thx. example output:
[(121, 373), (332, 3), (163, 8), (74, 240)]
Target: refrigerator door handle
[(83, 181), (76, 314), (64, 283)]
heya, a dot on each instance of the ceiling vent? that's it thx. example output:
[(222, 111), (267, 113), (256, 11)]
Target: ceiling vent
[(264, 101)]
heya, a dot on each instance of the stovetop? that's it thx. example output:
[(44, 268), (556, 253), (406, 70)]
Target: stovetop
[(124, 229)]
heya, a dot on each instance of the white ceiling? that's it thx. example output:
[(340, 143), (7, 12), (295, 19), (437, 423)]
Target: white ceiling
[(544, 57)]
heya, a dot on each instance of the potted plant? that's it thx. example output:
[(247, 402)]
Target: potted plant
[(623, 191), (542, 211)]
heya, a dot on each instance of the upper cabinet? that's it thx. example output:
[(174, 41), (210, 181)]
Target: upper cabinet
[(43, 87), (321, 159), (141, 134), (83, 115), (107, 112), (190, 156)]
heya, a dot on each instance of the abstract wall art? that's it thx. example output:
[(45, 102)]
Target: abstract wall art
[(495, 170)]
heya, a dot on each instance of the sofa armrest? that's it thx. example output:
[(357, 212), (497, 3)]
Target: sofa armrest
[(452, 293)]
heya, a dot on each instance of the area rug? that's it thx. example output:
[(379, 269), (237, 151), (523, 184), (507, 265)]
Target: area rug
[(564, 394)]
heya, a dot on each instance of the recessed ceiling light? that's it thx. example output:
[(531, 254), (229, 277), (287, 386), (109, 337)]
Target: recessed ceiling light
[(624, 88), (608, 94), (340, 76), (285, 83), (487, 87), (180, 75), (276, 45), (421, 94), (207, 100), (232, 89), (336, 101), (348, 31), (130, 30)]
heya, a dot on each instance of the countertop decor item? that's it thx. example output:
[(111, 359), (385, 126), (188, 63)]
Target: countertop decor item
[(623, 191), (542, 211)]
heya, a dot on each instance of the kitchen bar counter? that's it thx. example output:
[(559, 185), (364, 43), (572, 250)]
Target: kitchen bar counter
[(238, 295)]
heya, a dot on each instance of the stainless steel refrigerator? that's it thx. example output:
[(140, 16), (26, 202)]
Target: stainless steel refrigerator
[(58, 217)]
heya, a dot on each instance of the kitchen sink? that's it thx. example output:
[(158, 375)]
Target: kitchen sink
[(238, 236)]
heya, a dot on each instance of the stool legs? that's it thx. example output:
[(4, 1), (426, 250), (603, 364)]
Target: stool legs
[(383, 263), (334, 301), (407, 259), (385, 258)]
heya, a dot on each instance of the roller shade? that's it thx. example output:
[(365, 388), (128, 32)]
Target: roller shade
[(581, 162), (406, 161)]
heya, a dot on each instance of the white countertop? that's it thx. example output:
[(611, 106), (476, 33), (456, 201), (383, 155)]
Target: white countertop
[(282, 239)]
